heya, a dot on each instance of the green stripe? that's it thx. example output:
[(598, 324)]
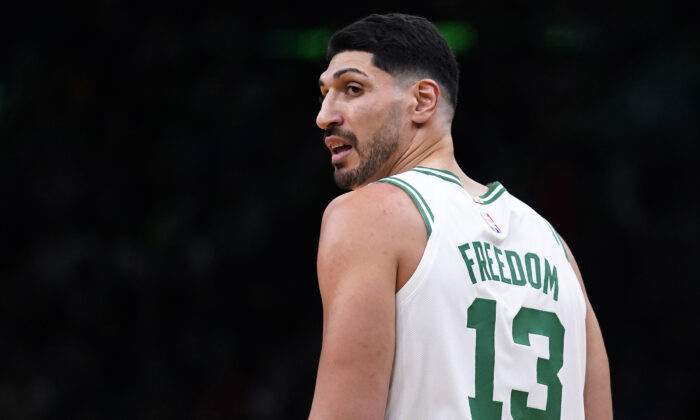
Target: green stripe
[(415, 191), (557, 238), (417, 199), (492, 187), (494, 197), (440, 172), (423, 171), (444, 171)]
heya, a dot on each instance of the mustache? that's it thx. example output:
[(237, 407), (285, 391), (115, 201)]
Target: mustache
[(344, 134)]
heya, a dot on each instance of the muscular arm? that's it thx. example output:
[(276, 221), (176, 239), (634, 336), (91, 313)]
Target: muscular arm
[(360, 246), (597, 396)]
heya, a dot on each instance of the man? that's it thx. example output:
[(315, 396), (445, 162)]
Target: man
[(442, 298)]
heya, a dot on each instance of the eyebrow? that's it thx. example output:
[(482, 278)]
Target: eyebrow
[(341, 72)]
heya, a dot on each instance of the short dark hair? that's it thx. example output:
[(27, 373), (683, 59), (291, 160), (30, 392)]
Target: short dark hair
[(402, 44)]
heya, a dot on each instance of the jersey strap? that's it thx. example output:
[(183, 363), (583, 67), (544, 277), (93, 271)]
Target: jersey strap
[(417, 199), (495, 190), (440, 173)]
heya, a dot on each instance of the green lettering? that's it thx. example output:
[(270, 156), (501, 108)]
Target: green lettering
[(536, 280), (481, 316), (487, 246), (498, 252), (510, 257), (467, 261), (479, 252), (532, 321), (550, 279)]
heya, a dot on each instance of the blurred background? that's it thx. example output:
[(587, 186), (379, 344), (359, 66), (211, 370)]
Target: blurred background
[(163, 182)]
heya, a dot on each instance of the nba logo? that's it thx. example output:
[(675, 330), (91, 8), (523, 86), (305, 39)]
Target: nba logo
[(489, 221)]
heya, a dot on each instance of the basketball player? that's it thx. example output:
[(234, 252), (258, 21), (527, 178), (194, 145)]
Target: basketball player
[(442, 298)]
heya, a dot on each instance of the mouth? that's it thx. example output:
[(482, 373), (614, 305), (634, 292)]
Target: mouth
[(338, 147), (339, 153)]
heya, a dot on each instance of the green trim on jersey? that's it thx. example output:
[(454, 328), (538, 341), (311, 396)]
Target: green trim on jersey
[(557, 238), (417, 199), (440, 173), (495, 190)]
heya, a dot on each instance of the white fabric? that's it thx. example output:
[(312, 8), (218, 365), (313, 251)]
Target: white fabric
[(434, 364)]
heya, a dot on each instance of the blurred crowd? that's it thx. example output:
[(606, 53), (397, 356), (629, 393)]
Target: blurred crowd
[(163, 181)]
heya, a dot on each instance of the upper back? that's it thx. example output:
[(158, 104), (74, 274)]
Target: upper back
[(493, 318)]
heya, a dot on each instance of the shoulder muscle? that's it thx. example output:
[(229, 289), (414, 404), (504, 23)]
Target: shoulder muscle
[(358, 257), (377, 221)]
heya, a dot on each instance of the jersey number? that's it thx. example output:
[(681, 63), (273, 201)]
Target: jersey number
[(481, 316)]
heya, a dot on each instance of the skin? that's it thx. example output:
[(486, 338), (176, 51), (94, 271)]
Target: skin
[(597, 396), (372, 238)]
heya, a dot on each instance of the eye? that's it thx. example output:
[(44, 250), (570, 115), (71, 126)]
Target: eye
[(353, 89)]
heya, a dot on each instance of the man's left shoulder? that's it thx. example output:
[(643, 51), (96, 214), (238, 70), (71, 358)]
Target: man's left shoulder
[(378, 216), (375, 204)]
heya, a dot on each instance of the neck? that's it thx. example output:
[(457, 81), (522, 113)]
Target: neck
[(435, 152)]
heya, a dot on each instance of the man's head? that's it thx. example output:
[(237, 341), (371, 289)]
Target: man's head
[(388, 76)]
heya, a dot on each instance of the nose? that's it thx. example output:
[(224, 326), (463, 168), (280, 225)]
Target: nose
[(328, 115)]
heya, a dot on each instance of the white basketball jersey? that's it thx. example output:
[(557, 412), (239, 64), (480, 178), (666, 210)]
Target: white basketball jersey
[(491, 325)]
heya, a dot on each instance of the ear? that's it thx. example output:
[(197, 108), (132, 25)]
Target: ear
[(425, 93)]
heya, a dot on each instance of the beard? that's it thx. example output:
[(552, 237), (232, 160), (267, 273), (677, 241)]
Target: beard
[(381, 145)]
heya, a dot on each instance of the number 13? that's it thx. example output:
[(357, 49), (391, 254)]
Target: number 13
[(481, 316)]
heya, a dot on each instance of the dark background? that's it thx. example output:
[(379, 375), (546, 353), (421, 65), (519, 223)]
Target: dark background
[(163, 181)]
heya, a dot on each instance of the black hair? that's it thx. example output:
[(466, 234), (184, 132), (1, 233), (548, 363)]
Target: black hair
[(402, 44)]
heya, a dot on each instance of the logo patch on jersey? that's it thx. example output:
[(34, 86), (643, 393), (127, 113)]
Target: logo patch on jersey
[(489, 221)]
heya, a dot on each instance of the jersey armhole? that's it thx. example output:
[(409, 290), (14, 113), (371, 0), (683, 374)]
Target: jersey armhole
[(418, 200), (416, 280)]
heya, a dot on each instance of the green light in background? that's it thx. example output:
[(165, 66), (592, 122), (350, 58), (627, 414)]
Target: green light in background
[(301, 44), (460, 36), (570, 37), (311, 44), (561, 36)]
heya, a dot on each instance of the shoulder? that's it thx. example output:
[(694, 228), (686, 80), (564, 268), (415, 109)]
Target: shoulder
[(357, 266), (376, 217), (522, 207), (374, 205)]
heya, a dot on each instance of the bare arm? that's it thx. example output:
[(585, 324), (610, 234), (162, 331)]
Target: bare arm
[(358, 259), (597, 395)]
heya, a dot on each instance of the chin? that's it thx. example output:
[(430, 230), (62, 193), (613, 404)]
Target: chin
[(345, 178), (344, 168)]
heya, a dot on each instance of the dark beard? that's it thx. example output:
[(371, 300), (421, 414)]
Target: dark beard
[(372, 156)]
